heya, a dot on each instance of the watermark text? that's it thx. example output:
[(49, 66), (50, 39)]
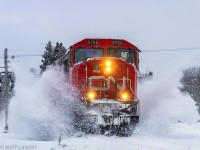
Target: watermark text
[(18, 147)]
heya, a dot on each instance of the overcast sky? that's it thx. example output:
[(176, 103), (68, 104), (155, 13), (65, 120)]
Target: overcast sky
[(27, 25)]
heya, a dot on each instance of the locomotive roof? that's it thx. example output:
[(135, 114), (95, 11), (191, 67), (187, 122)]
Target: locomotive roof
[(105, 42)]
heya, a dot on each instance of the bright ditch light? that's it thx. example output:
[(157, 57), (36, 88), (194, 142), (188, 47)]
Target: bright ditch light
[(91, 95), (124, 96)]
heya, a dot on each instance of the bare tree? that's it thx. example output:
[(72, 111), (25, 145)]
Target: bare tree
[(191, 84)]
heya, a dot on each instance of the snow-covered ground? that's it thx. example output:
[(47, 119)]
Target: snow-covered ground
[(168, 119), (136, 142)]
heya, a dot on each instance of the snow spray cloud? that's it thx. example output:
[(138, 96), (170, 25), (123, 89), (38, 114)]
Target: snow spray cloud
[(42, 107), (164, 108)]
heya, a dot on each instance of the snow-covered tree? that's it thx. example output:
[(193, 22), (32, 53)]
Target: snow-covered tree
[(191, 84), (52, 55), (48, 57), (59, 51)]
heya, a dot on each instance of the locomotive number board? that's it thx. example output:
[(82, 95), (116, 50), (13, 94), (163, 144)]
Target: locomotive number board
[(117, 42), (92, 42)]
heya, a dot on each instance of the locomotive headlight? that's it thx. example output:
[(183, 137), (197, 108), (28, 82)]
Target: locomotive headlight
[(108, 63), (108, 68)]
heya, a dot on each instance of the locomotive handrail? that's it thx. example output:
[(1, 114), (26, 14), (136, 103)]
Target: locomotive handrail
[(83, 87)]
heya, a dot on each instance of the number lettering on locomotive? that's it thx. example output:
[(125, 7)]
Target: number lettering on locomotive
[(92, 42), (117, 42)]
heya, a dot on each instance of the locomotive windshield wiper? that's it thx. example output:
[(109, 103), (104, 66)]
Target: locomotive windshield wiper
[(84, 59), (125, 60)]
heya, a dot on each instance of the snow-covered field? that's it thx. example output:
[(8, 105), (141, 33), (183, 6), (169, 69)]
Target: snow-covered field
[(91, 142), (168, 119), (137, 142)]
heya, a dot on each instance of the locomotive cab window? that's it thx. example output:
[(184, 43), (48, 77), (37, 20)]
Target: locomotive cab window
[(125, 54), (84, 53)]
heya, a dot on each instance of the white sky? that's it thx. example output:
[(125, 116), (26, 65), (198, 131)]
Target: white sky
[(27, 25)]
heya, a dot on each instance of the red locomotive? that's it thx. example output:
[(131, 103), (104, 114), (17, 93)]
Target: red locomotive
[(104, 74)]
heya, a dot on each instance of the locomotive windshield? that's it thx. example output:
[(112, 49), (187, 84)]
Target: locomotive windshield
[(84, 53), (126, 54)]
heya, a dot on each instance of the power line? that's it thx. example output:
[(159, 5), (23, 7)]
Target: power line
[(28, 55), (165, 60), (171, 50), (156, 61), (142, 51)]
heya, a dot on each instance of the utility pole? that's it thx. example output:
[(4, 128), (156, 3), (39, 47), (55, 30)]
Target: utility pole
[(6, 88), (5, 91)]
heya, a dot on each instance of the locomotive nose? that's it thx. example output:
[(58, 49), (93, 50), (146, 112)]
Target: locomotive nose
[(109, 78)]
